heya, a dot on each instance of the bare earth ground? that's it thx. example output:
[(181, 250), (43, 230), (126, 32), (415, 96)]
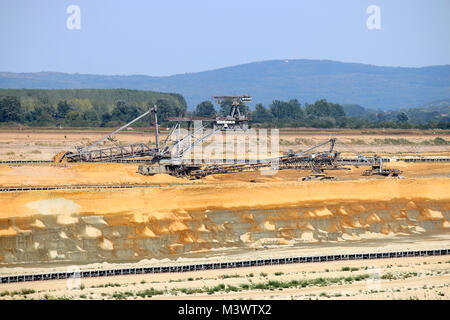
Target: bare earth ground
[(94, 174), (43, 144), (405, 278)]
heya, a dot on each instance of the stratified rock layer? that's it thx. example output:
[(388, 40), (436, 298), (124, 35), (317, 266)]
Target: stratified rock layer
[(125, 225)]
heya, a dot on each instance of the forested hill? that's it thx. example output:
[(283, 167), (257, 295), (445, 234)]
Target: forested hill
[(114, 107), (104, 100), (84, 107), (306, 80)]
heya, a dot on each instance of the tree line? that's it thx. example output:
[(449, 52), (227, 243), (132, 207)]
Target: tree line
[(85, 107), (114, 107), (67, 115), (325, 114)]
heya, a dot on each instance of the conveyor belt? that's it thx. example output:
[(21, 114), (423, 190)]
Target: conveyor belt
[(220, 265), (341, 161), (130, 186)]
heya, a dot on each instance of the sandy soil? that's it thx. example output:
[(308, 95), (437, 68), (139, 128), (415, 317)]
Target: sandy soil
[(403, 278), (43, 144), (181, 199), (248, 215), (110, 174), (79, 174), (80, 226), (391, 244)]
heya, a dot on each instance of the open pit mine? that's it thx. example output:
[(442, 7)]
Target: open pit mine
[(131, 203), (81, 226)]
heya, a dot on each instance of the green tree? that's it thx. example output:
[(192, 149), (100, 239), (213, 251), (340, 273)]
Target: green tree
[(167, 109), (278, 109), (296, 109), (120, 111), (106, 117), (205, 109), (62, 109), (10, 109), (402, 117), (261, 114), (287, 113), (90, 116), (381, 117), (323, 108), (44, 115), (125, 113), (73, 117)]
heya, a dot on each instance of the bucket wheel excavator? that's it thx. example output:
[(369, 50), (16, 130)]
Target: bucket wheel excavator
[(91, 154), (170, 157)]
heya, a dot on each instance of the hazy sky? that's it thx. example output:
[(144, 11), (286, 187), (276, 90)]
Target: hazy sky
[(178, 36)]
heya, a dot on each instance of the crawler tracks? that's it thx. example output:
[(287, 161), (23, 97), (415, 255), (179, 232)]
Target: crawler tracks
[(221, 265)]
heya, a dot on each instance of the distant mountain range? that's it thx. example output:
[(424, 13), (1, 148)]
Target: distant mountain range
[(436, 111), (370, 86)]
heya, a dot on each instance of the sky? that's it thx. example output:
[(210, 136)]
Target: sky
[(160, 38)]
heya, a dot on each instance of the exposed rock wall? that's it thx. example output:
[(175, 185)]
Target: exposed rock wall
[(91, 226)]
